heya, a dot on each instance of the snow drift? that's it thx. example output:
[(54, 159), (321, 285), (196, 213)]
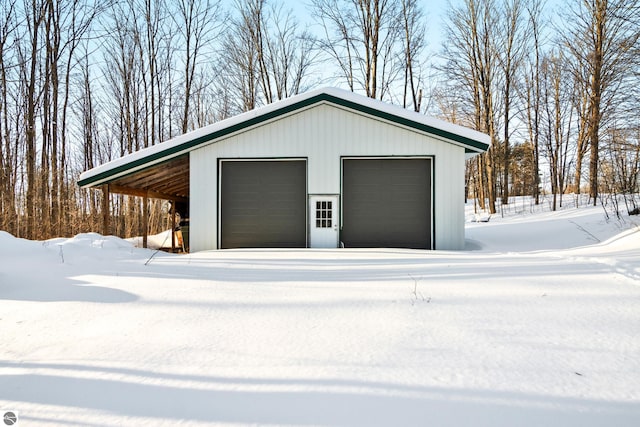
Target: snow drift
[(537, 325)]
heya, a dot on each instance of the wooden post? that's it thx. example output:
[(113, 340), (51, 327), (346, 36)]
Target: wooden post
[(173, 227), (145, 220), (105, 210)]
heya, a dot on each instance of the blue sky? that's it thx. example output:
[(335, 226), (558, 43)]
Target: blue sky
[(435, 11)]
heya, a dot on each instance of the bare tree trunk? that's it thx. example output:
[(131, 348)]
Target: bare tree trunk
[(266, 55), (602, 36), (414, 36), (472, 63), (480, 181), (153, 16), (533, 95), (195, 18), (581, 102), (369, 41), (36, 18), (7, 170), (510, 64), (54, 40), (599, 14), (254, 20)]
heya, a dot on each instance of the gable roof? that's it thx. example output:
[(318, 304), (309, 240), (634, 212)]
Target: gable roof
[(473, 141)]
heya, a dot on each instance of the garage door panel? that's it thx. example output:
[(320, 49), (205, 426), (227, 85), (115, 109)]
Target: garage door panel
[(263, 204), (387, 203)]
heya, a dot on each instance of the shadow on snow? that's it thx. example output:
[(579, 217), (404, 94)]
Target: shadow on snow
[(301, 401)]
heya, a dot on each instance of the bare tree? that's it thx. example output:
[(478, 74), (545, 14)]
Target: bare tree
[(510, 53), (35, 13), (8, 154), (238, 68), (413, 36), (267, 56), (290, 53), (620, 172), (532, 90), (471, 68), (581, 105), (557, 120), (67, 26), (198, 23), (252, 13), (602, 37), (128, 99), (363, 37)]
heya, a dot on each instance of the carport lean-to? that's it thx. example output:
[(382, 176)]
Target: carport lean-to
[(167, 180)]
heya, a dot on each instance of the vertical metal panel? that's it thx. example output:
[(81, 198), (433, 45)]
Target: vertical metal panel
[(203, 202), (449, 201), (263, 204), (387, 202), (323, 134)]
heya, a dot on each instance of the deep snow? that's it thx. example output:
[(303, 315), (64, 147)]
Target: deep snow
[(536, 323)]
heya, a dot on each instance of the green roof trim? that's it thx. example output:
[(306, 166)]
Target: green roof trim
[(408, 122), (471, 145)]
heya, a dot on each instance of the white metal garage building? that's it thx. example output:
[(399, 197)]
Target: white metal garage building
[(327, 168)]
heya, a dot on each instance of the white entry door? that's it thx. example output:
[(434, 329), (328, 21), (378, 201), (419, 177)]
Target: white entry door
[(323, 216)]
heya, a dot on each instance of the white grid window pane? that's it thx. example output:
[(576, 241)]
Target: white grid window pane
[(323, 214)]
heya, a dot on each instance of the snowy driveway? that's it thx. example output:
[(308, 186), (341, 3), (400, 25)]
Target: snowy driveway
[(319, 337)]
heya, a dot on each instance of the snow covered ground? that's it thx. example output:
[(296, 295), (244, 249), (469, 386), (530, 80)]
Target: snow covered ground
[(537, 323)]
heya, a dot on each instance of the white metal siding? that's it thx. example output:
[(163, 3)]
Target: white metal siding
[(203, 199), (323, 134)]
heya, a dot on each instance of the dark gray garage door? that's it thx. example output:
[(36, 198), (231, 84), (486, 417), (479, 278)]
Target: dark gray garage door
[(263, 204), (386, 203)]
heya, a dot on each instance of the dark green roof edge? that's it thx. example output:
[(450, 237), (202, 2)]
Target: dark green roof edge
[(468, 142), (189, 145)]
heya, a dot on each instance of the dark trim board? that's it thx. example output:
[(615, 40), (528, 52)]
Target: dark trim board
[(387, 201), (471, 146)]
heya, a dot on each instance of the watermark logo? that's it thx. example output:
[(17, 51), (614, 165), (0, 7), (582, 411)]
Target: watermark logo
[(10, 418)]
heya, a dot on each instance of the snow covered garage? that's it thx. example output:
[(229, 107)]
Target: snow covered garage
[(327, 168)]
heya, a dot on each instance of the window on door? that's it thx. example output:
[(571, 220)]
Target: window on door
[(323, 214)]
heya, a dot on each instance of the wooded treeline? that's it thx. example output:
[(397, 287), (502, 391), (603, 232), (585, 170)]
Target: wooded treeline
[(84, 81)]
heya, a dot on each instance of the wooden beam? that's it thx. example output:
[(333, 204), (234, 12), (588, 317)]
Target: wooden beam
[(105, 210), (165, 196), (157, 180), (140, 192), (145, 221), (173, 227), (127, 190)]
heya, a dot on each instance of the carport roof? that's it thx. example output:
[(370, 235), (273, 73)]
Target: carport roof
[(168, 161)]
